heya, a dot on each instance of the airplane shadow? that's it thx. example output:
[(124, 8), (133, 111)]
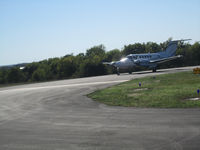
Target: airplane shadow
[(144, 72), (148, 72)]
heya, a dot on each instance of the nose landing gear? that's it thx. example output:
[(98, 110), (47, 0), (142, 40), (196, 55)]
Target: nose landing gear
[(118, 73), (154, 69)]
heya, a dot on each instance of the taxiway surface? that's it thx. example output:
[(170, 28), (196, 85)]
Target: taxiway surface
[(57, 116)]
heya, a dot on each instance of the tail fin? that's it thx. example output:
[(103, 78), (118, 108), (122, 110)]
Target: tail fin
[(171, 48)]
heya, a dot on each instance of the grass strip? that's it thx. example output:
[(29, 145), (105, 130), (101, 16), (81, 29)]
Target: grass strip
[(163, 91)]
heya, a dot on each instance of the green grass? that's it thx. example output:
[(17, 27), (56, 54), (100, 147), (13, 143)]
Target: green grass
[(163, 91)]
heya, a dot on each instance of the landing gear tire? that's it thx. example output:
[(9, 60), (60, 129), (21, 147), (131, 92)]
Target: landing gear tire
[(154, 70), (130, 72), (118, 73)]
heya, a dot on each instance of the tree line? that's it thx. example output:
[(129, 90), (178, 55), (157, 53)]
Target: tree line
[(90, 63)]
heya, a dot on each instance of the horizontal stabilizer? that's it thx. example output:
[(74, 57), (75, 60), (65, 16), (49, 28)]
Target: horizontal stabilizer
[(181, 40)]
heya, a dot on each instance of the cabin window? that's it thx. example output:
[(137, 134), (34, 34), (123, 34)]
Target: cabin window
[(129, 57)]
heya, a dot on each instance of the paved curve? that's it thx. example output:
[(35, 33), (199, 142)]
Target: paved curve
[(57, 116)]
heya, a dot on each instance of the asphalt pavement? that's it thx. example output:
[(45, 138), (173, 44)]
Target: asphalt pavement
[(58, 116)]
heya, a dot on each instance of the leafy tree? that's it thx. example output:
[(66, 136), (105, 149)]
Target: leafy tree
[(66, 68), (92, 67), (96, 50), (164, 44), (38, 75), (113, 55), (53, 65), (15, 75), (3, 76), (151, 47), (195, 50), (29, 70), (136, 48)]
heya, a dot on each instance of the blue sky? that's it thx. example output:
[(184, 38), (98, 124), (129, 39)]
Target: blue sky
[(33, 30)]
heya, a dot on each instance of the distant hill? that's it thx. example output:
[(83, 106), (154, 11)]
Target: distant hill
[(15, 65)]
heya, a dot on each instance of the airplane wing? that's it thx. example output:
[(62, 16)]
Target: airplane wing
[(165, 59), (107, 63)]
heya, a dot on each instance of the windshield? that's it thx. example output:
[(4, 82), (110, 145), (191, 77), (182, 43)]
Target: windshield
[(129, 57)]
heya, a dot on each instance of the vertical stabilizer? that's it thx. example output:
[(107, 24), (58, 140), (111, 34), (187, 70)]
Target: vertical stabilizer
[(171, 48)]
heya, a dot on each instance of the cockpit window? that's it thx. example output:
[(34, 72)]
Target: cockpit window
[(134, 57), (129, 57)]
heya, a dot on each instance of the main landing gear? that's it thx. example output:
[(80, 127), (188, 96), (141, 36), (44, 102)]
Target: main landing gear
[(154, 70), (118, 73)]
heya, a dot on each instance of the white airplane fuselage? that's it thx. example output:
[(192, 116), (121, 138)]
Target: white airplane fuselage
[(150, 60), (133, 60)]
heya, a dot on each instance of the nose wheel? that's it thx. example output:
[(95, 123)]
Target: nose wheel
[(118, 73), (154, 70)]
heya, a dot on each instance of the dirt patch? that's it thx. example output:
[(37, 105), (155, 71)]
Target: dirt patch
[(142, 89), (134, 94), (194, 99)]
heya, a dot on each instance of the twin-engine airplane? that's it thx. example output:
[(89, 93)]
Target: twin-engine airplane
[(149, 60)]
